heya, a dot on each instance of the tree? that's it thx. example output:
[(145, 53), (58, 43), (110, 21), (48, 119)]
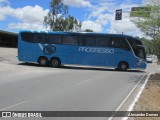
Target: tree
[(71, 24), (58, 19), (151, 25), (148, 45), (88, 30)]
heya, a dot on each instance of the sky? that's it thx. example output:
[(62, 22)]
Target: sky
[(98, 15)]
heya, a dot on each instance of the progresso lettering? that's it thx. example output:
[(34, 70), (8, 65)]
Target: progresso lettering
[(96, 50)]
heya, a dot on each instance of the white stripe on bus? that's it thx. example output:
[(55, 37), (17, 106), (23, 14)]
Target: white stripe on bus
[(40, 46)]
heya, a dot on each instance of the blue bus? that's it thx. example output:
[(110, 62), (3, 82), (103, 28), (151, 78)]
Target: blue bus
[(81, 48)]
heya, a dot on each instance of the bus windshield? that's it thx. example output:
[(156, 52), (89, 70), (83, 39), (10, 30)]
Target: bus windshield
[(140, 52), (137, 47)]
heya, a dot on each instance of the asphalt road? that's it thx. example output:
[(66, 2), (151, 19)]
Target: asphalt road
[(29, 87)]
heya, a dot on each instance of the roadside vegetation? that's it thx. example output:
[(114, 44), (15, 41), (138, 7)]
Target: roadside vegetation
[(149, 23)]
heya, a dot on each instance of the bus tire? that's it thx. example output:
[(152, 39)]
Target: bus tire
[(123, 66), (55, 62), (43, 61)]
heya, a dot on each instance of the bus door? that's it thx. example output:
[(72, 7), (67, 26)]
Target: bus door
[(122, 50), (70, 46), (96, 52), (104, 53)]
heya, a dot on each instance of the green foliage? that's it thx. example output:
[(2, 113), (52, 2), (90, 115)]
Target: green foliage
[(88, 30), (58, 18), (151, 27), (148, 45)]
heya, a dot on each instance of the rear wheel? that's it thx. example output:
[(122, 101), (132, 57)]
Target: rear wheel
[(43, 61), (55, 62), (123, 66)]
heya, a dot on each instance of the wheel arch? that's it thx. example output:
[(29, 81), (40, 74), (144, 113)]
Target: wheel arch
[(120, 62), (42, 57), (57, 58)]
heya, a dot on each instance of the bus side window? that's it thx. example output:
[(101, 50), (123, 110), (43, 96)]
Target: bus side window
[(57, 39), (119, 42), (89, 41), (50, 38), (103, 42), (54, 39), (134, 42), (28, 37), (70, 40), (81, 41), (36, 38), (42, 38)]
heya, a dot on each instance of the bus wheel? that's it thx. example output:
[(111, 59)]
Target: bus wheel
[(43, 61), (123, 66), (55, 62)]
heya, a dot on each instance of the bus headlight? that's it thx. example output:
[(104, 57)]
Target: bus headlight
[(139, 61)]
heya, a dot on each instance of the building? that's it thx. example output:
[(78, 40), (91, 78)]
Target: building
[(8, 39)]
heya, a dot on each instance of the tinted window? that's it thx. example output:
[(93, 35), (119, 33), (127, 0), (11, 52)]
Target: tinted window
[(119, 42), (35, 38), (28, 37), (103, 41), (140, 52), (71, 40), (54, 39), (39, 37), (138, 42), (42, 38), (134, 42), (89, 41), (81, 40)]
